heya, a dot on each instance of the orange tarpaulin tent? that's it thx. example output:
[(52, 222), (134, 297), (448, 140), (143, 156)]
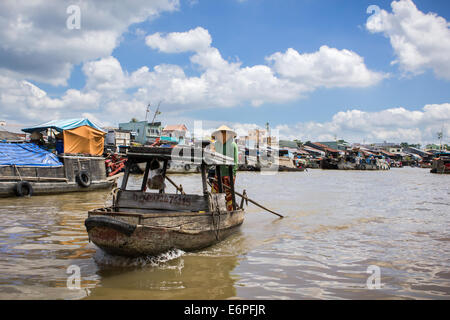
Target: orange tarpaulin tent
[(84, 139)]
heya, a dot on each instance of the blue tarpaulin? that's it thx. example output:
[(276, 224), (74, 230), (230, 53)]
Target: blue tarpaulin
[(61, 125), (26, 154)]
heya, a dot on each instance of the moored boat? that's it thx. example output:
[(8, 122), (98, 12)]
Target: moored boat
[(441, 164), (286, 162), (140, 222), (28, 170)]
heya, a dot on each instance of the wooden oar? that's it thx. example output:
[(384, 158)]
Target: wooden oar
[(252, 201), (179, 188)]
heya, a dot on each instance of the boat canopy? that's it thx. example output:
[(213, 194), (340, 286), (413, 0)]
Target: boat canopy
[(62, 125), (178, 153), (79, 135), (84, 139), (26, 154)]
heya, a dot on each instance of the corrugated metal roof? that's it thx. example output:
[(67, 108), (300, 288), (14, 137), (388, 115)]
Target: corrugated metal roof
[(327, 148), (173, 127)]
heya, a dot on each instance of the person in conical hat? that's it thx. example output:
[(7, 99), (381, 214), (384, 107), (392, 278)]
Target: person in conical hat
[(224, 144)]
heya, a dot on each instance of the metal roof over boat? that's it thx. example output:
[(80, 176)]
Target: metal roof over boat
[(62, 125), (179, 153)]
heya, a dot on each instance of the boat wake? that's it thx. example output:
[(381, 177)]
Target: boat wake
[(104, 259)]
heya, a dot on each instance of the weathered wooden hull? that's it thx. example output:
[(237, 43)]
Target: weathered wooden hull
[(345, 165), (287, 165), (56, 180), (290, 169), (152, 234), (328, 164), (440, 166), (7, 188)]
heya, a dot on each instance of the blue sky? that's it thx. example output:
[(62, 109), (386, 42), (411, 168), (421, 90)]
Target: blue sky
[(249, 32)]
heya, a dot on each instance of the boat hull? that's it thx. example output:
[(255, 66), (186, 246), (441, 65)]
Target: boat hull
[(118, 235), (7, 188), (440, 166)]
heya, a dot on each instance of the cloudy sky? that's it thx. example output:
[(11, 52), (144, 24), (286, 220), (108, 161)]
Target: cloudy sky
[(364, 71)]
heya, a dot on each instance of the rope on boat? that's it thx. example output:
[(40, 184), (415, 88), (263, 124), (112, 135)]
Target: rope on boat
[(214, 213), (112, 196)]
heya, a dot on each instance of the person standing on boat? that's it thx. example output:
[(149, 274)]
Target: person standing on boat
[(224, 144)]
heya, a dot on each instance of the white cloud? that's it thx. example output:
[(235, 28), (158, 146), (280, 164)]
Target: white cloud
[(394, 125), (104, 74), (23, 100), (224, 83), (328, 67), (420, 41), (35, 43), (112, 93), (114, 103), (197, 39)]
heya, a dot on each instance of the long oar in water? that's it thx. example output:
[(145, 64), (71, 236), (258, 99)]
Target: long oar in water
[(179, 188), (250, 200)]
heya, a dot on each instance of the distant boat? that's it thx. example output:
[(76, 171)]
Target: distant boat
[(441, 164)]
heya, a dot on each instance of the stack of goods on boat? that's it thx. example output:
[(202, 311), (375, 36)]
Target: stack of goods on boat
[(62, 156)]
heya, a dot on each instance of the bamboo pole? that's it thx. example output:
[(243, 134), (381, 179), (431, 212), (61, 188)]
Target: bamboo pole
[(179, 188), (250, 200)]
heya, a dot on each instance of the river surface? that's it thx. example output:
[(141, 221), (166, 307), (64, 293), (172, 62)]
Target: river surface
[(342, 229)]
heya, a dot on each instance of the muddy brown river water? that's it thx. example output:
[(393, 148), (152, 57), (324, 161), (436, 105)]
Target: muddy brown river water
[(339, 226)]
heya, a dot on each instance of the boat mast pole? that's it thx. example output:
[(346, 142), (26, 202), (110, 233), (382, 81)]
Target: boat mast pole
[(219, 178), (164, 172), (203, 172), (125, 176), (145, 178), (233, 196)]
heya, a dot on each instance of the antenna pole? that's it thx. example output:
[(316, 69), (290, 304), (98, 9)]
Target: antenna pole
[(146, 111), (156, 112)]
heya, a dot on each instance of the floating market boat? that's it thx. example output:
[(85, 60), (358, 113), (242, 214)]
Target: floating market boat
[(286, 162), (26, 170), (355, 160), (441, 164), (149, 221)]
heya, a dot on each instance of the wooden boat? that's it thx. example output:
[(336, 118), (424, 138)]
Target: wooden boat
[(288, 165), (76, 174), (148, 223), (286, 162), (441, 164)]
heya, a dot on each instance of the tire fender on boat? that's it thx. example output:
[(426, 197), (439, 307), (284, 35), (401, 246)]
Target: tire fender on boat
[(24, 188), (107, 222), (187, 167), (83, 179)]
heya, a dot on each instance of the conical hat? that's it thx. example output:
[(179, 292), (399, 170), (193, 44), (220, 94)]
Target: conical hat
[(223, 128)]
